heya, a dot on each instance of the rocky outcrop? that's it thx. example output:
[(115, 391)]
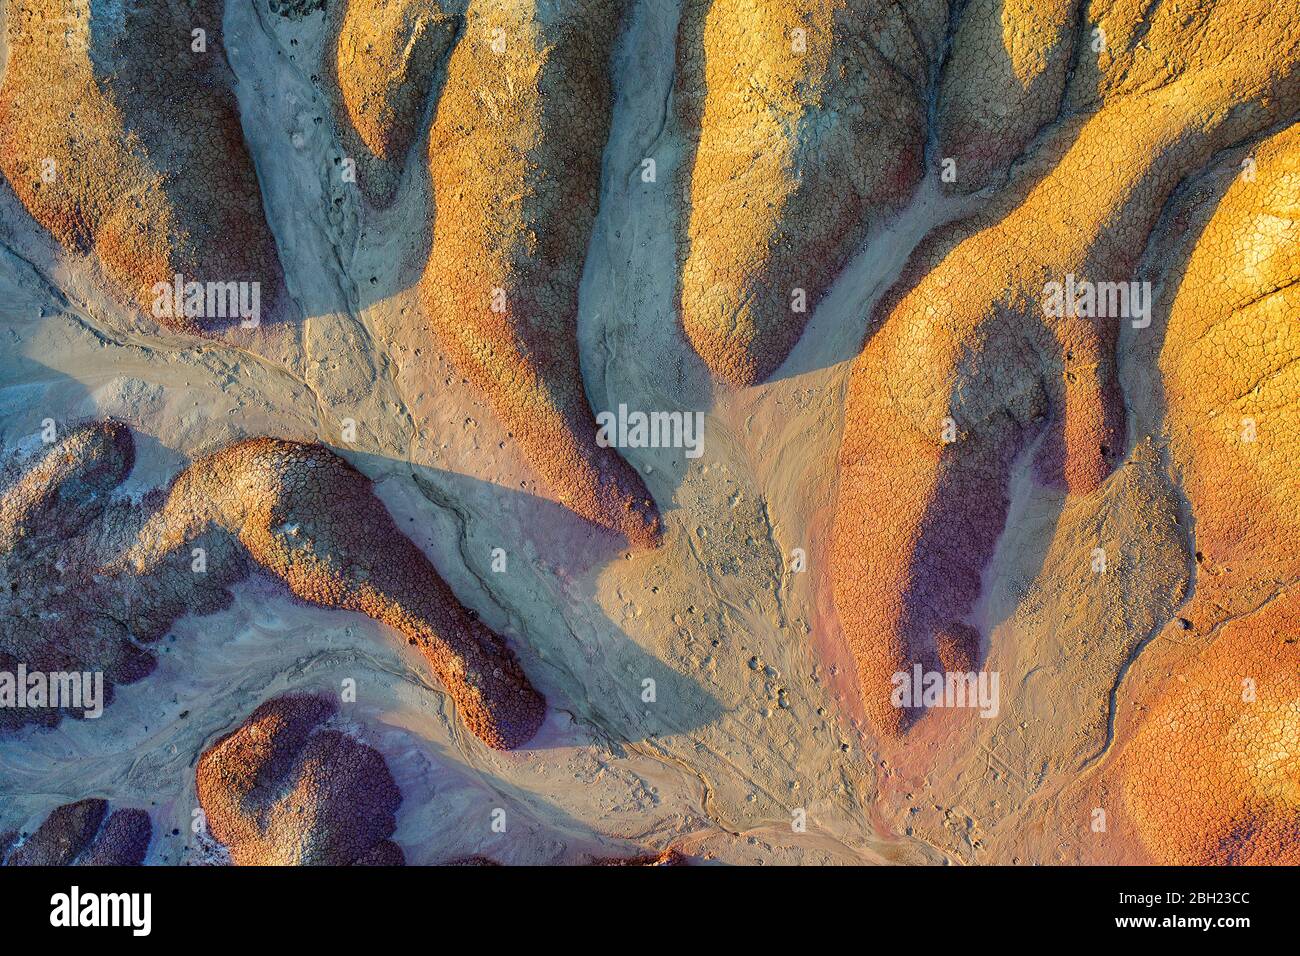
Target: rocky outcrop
[(310, 519), (1002, 84), (807, 126), (669, 857), (61, 610), (382, 57), (973, 359), (120, 134), (1209, 776), (288, 789), (514, 156), (91, 580), (84, 834)]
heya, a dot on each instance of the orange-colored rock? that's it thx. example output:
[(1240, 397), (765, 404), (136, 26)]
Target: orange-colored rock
[(958, 648), (287, 789), (669, 857), (515, 155), (1212, 776), (1212, 773), (124, 141), (1002, 83), (382, 59), (969, 364), (808, 122), (1230, 368), (308, 517)]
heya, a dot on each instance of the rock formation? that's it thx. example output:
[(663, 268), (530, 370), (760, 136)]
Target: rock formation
[(808, 124), (287, 789), (1210, 774), (120, 134), (61, 610), (90, 578), (1002, 84), (515, 156), (669, 857), (82, 834), (382, 59), (971, 362), (310, 519)]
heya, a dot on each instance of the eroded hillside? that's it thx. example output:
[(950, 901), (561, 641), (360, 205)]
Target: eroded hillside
[(688, 430)]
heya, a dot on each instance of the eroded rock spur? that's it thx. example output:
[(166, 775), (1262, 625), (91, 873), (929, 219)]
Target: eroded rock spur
[(120, 134), (92, 579), (381, 60), (969, 362), (286, 788), (806, 122), (514, 157)]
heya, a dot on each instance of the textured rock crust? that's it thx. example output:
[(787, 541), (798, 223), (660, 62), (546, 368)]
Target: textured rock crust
[(312, 520), (514, 156), (143, 138), (1002, 83), (669, 857), (62, 609), (1109, 140), (1211, 774), (1228, 364), (382, 59), (963, 343), (83, 834), (808, 123), (89, 578), (285, 789)]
